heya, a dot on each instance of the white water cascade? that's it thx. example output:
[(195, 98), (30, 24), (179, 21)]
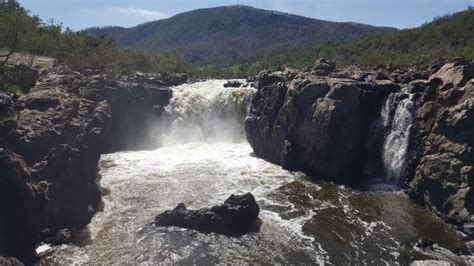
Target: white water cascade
[(397, 139), (388, 142), (203, 113)]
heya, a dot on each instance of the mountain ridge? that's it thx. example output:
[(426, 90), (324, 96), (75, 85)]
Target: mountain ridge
[(226, 33)]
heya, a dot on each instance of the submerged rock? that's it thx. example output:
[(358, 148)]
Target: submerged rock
[(234, 218), (233, 84)]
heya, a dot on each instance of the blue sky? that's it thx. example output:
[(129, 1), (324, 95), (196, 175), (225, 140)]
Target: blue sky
[(80, 14)]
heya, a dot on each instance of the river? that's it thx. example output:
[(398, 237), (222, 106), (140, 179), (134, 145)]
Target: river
[(205, 159)]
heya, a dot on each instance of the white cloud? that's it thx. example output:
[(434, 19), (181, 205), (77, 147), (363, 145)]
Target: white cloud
[(137, 12), (117, 16)]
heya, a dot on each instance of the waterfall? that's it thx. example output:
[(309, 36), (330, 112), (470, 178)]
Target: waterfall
[(207, 111), (389, 139), (396, 142)]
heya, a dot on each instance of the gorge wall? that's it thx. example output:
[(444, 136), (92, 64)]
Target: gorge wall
[(323, 121), (50, 143)]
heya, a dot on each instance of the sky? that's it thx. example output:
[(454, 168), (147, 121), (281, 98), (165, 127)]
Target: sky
[(80, 14)]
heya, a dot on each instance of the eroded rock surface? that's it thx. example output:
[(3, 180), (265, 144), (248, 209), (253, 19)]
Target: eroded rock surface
[(234, 218), (444, 176)]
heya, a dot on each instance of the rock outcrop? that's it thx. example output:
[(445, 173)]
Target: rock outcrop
[(50, 143), (22, 76), (313, 123), (320, 123), (323, 67), (443, 176), (234, 218)]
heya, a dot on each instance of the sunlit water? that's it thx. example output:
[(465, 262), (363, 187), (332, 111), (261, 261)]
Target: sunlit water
[(303, 221)]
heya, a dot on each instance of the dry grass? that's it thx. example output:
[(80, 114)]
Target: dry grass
[(28, 59)]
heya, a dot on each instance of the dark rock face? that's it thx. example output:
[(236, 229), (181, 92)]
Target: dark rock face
[(134, 101), (22, 76), (234, 218), (23, 206), (301, 123), (50, 143), (444, 175)]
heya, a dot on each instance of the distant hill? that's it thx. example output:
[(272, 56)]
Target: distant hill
[(450, 35), (223, 35)]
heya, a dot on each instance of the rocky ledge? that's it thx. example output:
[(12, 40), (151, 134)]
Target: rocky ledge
[(50, 143), (321, 121), (233, 218)]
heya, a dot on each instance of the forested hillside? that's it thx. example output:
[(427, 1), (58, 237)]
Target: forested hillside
[(224, 35), (451, 35)]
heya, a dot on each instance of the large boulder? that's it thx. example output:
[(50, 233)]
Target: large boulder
[(323, 67), (456, 73), (234, 218)]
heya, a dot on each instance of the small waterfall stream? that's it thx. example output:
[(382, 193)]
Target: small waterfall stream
[(396, 142), (389, 140)]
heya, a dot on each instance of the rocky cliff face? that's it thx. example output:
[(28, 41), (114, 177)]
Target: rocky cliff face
[(50, 143), (319, 121), (443, 178), (318, 124)]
